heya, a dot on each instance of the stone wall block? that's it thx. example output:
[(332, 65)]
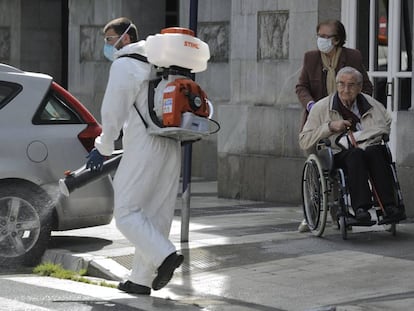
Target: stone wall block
[(266, 134), (5, 44), (252, 177), (405, 139), (283, 179), (405, 177), (233, 132), (229, 176)]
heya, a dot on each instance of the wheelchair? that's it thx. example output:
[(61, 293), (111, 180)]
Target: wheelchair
[(324, 190)]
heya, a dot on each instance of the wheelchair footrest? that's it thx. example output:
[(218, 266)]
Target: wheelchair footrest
[(351, 221), (391, 220)]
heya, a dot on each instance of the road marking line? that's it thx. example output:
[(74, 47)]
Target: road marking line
[(15, 305), (96, 291)]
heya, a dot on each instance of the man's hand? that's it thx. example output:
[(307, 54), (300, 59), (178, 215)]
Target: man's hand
[(95, 160), (339, 126)]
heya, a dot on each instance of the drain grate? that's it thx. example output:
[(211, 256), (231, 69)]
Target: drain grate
[(250, 230), (200, 259), (216, 257), (125, 260), (259, 207), (211, 258)]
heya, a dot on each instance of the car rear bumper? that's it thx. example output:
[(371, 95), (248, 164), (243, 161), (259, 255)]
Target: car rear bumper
[(91, 205)]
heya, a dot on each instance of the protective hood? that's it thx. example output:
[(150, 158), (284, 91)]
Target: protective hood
[(137, 47)]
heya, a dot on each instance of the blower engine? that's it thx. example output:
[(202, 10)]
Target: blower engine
[(180, 96), (183, 103)]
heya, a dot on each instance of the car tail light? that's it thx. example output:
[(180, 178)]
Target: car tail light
[(88, 135), (93, 129)]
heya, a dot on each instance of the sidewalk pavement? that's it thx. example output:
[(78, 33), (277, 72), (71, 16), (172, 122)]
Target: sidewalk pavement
[(247, 255)]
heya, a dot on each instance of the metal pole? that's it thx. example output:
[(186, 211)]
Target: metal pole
[(188, 150)]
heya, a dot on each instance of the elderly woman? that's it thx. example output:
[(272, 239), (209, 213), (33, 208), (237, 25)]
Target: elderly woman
[(367, 118), (320, 66)]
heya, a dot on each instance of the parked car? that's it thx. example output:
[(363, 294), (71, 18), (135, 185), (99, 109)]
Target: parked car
[(44, 130)]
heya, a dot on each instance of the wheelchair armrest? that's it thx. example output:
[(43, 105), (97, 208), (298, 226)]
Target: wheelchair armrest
[(324, 153), (325, 141)]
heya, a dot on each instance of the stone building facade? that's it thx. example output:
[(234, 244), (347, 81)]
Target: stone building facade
[(256, 56), (253, 84)]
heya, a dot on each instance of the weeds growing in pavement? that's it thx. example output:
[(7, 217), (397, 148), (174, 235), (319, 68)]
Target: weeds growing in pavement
[(56, 271)]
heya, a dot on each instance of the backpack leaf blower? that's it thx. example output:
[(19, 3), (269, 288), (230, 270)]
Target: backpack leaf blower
[(83, 176)]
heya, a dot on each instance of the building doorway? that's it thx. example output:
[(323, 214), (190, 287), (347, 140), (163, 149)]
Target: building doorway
[(383, 31), (43, 38), (384, 36)]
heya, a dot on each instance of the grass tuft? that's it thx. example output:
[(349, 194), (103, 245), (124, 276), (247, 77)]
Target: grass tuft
[(57, 271)]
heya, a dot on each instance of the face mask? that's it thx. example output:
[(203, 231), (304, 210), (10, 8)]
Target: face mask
[(325, 45), (109, 50)]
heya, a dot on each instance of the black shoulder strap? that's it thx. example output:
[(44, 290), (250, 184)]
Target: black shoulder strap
[(151, 93), (145, 60), (140, 115), (136, 56), (151, 86)]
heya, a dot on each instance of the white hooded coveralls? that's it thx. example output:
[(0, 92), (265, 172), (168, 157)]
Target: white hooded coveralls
[(146, 181)]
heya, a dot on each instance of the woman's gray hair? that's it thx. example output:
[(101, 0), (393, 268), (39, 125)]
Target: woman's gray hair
[(352, 71)]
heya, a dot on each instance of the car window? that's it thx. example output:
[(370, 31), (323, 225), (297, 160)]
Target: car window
[(8, 91), (54, 111)]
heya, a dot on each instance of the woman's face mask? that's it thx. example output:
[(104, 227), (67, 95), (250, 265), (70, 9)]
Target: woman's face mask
[(325, 44), (110, 49)]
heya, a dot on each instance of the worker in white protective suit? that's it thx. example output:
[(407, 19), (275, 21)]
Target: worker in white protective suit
[(146, 181)]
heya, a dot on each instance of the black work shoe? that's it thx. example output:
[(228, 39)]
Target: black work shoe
[(166, 270), (133, 288), (394, 213), (362, 215)]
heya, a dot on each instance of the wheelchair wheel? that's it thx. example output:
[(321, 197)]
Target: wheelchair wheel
[(344, 203), (314, 195), (342, 225), (392, 227)]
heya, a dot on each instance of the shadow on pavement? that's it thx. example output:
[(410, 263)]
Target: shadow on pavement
[(78, 244)]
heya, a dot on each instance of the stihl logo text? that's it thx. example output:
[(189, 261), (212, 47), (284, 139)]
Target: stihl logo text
[(191, 44)]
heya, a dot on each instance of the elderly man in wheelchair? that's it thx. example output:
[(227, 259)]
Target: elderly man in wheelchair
[(346, 134)]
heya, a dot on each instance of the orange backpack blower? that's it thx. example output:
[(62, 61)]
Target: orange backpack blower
[(180, 96)]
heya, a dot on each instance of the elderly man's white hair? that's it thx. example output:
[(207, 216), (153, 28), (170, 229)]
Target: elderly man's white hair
[(350, 70)]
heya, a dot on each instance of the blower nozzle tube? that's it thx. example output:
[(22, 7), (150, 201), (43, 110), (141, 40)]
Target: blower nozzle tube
[(83, 176)]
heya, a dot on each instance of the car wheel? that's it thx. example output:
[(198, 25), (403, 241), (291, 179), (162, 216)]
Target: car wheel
[(25, 224)]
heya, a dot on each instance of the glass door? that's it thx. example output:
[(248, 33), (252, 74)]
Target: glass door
[(384, 36), (383, 31)]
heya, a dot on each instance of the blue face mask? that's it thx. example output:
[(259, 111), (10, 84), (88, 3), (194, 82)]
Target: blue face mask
[(109, 51)]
